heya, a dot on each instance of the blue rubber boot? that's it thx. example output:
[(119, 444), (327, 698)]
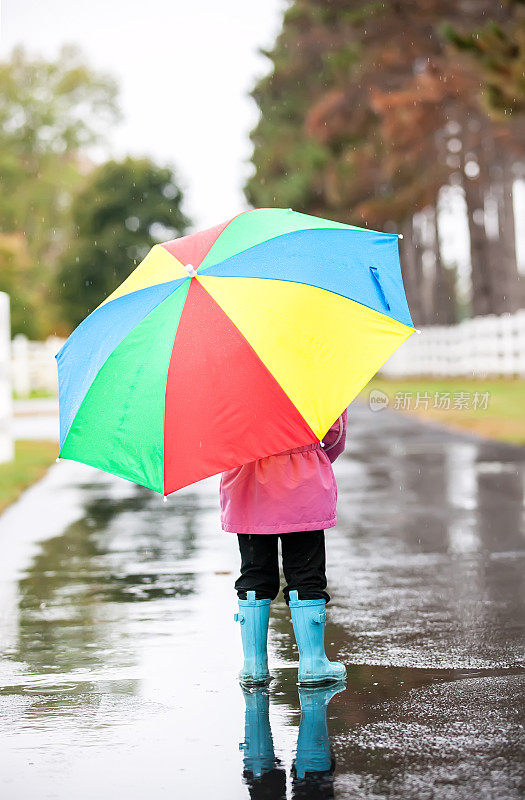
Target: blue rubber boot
[(253, 616), (308, 618), (258, 753), (313, 742)]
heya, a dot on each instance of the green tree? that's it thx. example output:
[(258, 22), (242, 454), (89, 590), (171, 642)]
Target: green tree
[(121, 211), (16, 280), (497, 48), (50, 112)]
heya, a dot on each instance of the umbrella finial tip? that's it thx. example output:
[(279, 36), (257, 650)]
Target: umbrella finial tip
[(190, 269)]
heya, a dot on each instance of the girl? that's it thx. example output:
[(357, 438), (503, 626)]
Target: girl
[(291, 496)]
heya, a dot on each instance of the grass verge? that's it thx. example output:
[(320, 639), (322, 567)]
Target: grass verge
[(32, 458), (493, 408)]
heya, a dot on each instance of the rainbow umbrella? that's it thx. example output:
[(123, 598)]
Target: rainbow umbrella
[(229, 345)]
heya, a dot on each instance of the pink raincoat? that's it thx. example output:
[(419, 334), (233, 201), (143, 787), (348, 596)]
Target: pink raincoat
[(291, 491)]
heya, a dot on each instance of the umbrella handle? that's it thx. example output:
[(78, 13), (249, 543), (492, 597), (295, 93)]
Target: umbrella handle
[(340, 433), (375, 275)]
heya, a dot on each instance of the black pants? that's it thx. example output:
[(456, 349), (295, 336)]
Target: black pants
[(304, 565)]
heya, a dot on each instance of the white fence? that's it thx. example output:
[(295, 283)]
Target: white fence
[(6, 406), (34, 366), (482, 346)]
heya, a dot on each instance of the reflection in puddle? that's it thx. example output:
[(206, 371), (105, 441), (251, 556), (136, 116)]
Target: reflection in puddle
[(390, 732), (313, 767), (119, 656), (121, 551)]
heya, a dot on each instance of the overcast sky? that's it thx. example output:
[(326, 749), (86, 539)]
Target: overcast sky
[(185, 68)]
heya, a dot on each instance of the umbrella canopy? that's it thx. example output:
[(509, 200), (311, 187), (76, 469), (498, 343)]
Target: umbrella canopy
[(229, 345)]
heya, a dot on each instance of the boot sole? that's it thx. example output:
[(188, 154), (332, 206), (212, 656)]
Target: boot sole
[(255, 682), (322, 682)]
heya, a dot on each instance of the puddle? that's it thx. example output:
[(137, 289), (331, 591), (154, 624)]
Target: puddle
[(119, 655)]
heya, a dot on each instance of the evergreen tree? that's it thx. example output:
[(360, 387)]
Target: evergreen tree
[(497, 48), (121, 211)]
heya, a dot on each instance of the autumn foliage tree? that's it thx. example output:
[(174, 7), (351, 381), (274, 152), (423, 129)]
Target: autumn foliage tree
[(368, 111)]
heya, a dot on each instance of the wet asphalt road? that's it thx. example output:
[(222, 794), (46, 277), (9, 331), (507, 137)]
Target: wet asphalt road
[(119, 654)]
